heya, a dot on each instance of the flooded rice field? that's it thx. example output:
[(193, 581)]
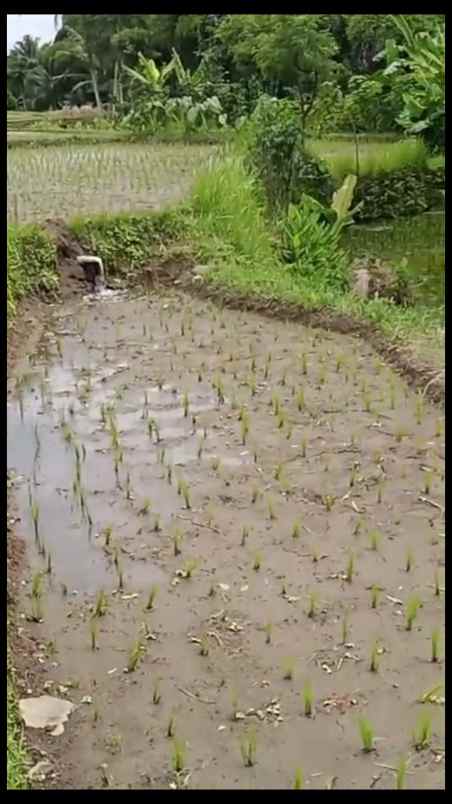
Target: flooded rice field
[(236, 551), (79, 179), (419, 240)]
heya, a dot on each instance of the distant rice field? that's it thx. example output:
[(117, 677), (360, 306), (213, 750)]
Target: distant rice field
[(374, 156), (74, 180)]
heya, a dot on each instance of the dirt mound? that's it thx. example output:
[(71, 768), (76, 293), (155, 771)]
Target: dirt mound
[(68, 249)]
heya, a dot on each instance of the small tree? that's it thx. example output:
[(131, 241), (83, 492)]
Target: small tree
[(296, 52)]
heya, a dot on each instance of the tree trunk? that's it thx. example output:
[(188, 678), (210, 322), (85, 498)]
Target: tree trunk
[(115, 85), (95, 85)]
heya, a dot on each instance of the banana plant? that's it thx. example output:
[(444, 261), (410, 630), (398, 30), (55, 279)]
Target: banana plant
[(419, 66), (341, 203), (149, 74)]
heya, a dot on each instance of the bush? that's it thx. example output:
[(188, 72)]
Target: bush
[(275, 151), (31, 263), (311, 246), (401, 193), (127, 240)]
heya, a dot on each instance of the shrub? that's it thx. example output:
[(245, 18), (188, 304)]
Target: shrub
[(405, 192), (128, 240), (31, 263), (275, 151), (311, 247)]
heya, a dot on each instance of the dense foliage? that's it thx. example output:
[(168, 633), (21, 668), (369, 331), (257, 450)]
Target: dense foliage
[(276, 152), (368, 72)]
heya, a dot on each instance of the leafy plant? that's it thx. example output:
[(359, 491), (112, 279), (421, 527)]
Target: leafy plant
[(312, 608), (151, 598), (435, 644), (298, 781), (101, 604), (311, 248), (409, 560), (374, 538), (268, 633), (296, 530), (374, 658), (350, 570), (248, 746), (93, 628), (178, 755), (275, 151), (135, 654), (413, 604), (308, 699), (374, 596), (422, 734), (367, 734), (289, 669)]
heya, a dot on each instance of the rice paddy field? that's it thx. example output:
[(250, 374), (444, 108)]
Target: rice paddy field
[(77, 179), (375, 156), (420, 240), (234, 524), (235, 541)]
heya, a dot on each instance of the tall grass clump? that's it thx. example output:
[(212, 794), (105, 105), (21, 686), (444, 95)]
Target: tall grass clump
[(229, 204)]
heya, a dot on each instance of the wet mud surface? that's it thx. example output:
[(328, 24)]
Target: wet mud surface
[(237, 467)]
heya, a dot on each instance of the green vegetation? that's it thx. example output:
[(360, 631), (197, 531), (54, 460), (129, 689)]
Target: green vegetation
[(369, 158), (227, 228), (80, 180), (16, 755), (31, 263)]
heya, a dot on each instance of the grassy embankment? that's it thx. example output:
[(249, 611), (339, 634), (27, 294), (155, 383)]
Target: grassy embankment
[(16, 754), (225, 227)]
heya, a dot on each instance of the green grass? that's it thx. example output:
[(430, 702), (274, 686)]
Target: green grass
[(375, 157), (229, 211), (225, 227), (16, 754), (31, 263), (237, 242)]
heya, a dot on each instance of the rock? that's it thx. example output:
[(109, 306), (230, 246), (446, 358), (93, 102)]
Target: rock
[(45, 712), (361, 286), (39, 771), (373, 278)]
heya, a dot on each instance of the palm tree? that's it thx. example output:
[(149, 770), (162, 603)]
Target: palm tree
[(22, 59), (72, 47)]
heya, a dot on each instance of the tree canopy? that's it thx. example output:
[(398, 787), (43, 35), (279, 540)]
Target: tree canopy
[(319, 60)]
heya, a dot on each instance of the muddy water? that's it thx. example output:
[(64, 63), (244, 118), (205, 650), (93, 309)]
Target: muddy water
[(352, 457)]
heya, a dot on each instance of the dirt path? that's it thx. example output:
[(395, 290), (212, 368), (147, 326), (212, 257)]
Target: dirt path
[(333, 456)]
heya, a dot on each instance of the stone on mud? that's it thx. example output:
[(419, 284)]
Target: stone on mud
[(45, 712)]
